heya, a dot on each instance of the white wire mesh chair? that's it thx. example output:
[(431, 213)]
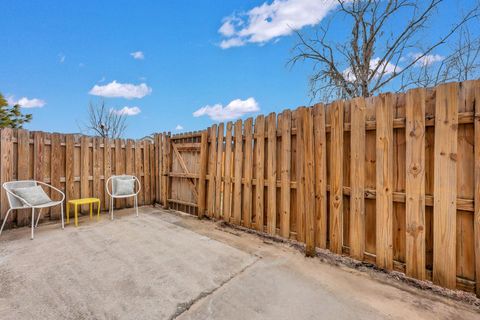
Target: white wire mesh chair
[(16, 202), (114, 193)]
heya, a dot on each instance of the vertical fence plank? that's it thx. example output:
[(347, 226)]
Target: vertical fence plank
[(357, 179), (97, 168), (39, 154), (320, 175), (384, 181), (107, 166), (55, 170), (445, 193), (237, 187), (286, 163), (336, 177), (212, 170), (300, 176), (476, 217), (248, 173), (309, 181), (146, 171), (415, 183), (218, 174), (138, 170), (271, 173), (166, 169), (69, 165), (38, 150), (84, 167), (156, 168), (6, 168), (120, 203), (129, 164), (260, 167), (203, 173), (152, 175), (227, 194), (23, 169)]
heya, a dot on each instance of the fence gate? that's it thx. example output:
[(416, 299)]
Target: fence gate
[(184, 172)]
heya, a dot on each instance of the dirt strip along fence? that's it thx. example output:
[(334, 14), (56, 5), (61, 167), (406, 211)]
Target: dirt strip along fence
[(393, 180), (76, 164)]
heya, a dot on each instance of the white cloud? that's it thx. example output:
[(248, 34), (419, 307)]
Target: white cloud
[(121, 90), (232, 42), (138, 55), (235, 109), (178, 127), (128, 111), (272, 20), (61, 57), (24, 102), (426, 60), (389, 69)]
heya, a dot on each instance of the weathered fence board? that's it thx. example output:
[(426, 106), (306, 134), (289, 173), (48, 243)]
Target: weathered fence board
[(286, 163), (445, 191), (415, 184), (271, 173), (357, 179), (384, 192), (260, 171), (336, 177)]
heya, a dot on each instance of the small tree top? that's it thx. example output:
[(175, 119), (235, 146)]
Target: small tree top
[(12, 116)]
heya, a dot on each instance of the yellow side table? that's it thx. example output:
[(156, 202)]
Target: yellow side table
[(77, 202)]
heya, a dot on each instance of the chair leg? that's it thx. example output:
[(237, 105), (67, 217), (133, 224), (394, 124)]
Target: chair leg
[(5, 220), (136, 204), (38, 218), (33, 221), (111, 208), (61, 212)]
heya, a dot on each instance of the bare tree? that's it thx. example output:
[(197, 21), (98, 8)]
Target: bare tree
[(373, 55), (462, 63), (105, 122)]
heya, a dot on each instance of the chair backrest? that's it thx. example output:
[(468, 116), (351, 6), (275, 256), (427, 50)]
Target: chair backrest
[(122, 177), (13, 201)]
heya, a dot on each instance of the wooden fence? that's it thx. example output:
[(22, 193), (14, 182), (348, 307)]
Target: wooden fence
[(76, 164), (393, 180)]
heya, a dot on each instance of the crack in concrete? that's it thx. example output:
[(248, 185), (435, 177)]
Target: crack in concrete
[(185, 306)]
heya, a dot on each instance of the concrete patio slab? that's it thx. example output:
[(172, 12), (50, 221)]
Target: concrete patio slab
[(167, 266)]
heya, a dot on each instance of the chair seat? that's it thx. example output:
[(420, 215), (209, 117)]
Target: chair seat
[(123, 196), (45, 205)]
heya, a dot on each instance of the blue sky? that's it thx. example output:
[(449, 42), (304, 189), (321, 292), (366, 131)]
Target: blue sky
[(168, 59)]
